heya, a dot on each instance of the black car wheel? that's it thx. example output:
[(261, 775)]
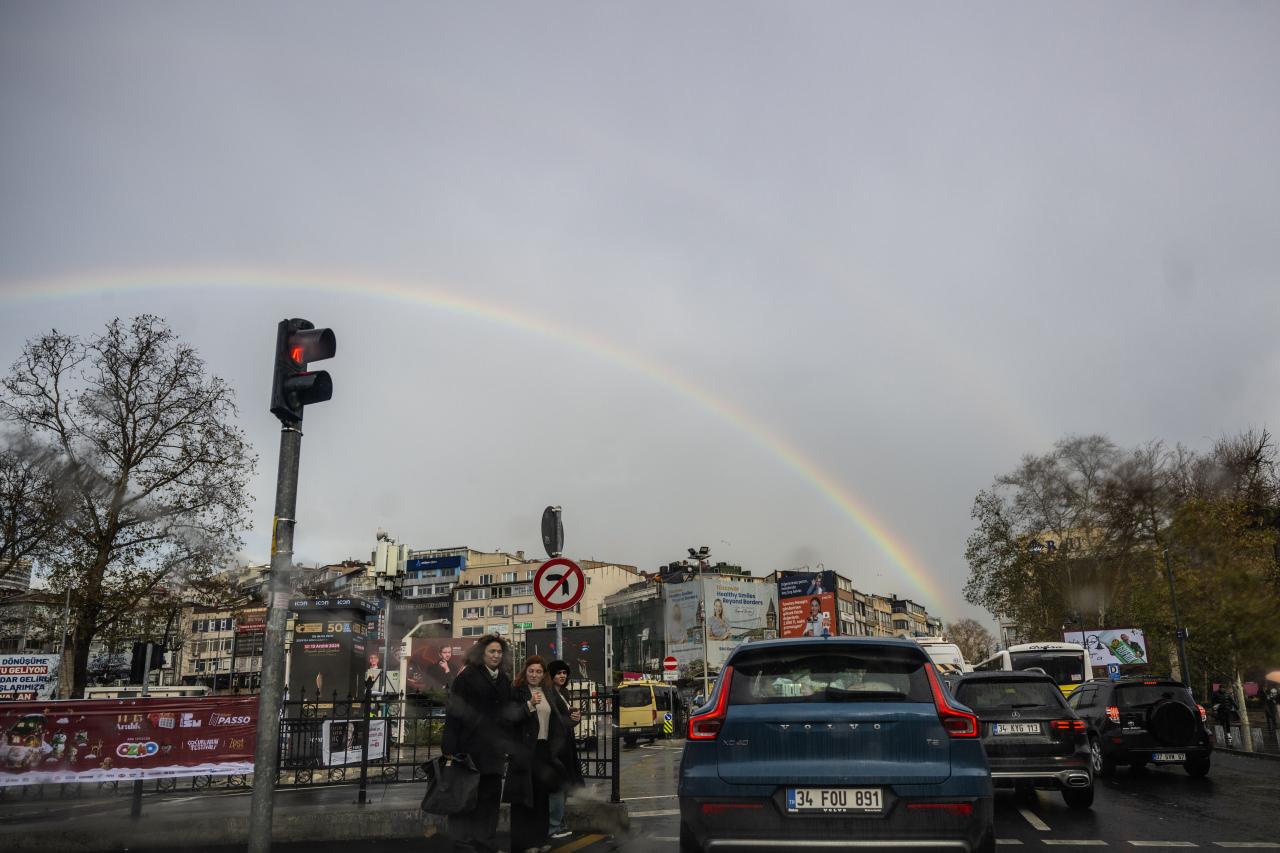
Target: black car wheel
[(1197, 768), (1102, 765), (688, 844)]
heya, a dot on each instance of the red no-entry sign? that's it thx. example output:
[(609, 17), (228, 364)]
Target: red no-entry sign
[(669, 663), (559, 584)]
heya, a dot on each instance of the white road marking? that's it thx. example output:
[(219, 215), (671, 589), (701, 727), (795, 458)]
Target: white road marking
[(653, 797), (1268, 845), (659, 813), (1007, 841), (1034, 820), (1071, 842), (665, 838), (1164, 844)]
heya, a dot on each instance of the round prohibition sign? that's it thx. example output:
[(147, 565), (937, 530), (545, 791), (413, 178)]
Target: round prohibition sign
[(559, 584)]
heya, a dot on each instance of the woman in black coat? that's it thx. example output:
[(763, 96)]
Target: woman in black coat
[(535, 770), (479, 722), (570, 716)]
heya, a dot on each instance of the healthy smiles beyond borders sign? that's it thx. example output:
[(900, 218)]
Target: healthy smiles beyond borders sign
[(108, 740), (25, 677)]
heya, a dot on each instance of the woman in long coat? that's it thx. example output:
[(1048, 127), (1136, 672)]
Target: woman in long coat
[(535, 770), (479, 722), (570, 716)]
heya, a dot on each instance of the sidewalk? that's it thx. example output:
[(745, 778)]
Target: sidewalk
[(222, 819)]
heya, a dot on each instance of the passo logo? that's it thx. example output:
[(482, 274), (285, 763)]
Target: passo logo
[(228, 720)]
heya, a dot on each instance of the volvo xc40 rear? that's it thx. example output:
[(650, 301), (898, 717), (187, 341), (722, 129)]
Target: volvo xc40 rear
[(833, 743)]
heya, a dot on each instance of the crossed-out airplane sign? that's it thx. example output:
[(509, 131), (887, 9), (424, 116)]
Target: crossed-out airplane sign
[(558, 584)]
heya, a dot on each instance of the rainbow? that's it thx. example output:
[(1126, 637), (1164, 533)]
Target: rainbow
[(421, 293)]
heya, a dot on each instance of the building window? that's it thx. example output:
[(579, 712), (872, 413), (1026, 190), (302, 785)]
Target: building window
[(485, 580), (473, 613), (529, 575), (472, 630), (521, 609), (522, 589), (508, 577), (551, 624), (498, 610)]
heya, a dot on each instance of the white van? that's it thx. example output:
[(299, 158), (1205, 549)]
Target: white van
[(946, 655)]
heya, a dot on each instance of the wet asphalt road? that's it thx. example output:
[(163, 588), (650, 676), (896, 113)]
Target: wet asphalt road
[(1236, 807)]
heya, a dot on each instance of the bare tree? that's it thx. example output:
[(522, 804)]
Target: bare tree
[(31, 502), (156, 467), (975, 641)]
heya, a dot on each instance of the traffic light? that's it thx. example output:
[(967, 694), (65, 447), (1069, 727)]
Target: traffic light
[(138, 664), (293, 386)]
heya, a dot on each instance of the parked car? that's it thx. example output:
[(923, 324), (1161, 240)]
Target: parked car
[(829, 740), (1032, 738), (1136, 721)]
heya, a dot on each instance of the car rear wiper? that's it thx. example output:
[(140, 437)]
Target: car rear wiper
[(842, 695)]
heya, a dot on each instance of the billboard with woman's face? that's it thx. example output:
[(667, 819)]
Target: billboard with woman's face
[(808, 605), (431, 664)]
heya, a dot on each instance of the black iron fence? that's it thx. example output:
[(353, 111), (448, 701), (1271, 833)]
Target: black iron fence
[(371, 740)]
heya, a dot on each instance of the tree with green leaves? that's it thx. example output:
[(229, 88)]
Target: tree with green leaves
[(155, 466)]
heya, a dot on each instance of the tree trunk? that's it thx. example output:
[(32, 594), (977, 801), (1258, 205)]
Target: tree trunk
[(1246, 733), (81, 638)]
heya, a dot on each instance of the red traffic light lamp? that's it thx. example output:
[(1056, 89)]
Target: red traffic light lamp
[(299, 342)]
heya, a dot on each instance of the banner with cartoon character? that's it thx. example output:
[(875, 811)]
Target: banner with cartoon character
[(108, 740)]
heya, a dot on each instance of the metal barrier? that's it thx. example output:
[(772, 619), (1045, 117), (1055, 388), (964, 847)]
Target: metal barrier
[(324, 742)]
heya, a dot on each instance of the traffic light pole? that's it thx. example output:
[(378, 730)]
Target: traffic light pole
[(266, 756), (135, 808)]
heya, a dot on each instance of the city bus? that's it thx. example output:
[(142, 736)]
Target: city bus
[(1066, 663), (643, 708)]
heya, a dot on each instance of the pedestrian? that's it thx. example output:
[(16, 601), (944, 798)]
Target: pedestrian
[(1224, 710), (478, 722), (1269, 705), (534, 771), (570, 717)]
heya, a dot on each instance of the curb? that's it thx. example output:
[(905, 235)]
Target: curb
[(1261, 756), (300, 825)]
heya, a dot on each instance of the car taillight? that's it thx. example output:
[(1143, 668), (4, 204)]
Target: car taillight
[(1067, 725), (956, 722), (1113, 713), (1204, 718), (707, 726), (961, 809)]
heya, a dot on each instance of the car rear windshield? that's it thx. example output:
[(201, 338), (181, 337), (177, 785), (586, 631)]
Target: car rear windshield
[(830, 675), (635, 697), (1146, 695), (1065, 667), (1008, 695)]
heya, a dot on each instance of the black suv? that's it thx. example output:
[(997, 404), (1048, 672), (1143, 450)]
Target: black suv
[(1032, 739), (1136, 721)]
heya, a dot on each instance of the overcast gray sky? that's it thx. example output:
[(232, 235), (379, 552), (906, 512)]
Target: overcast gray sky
[(910, 241)]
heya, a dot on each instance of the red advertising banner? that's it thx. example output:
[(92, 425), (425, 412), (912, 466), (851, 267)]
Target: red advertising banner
[(808, 616), (105, 740)]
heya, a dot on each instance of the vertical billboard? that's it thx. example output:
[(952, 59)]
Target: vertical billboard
[(328, 657), (1111, 645), (587, 651), (707, 617), (807, 601), (28, 677)]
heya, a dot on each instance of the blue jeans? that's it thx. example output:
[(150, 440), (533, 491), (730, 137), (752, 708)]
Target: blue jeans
[(556, 811)]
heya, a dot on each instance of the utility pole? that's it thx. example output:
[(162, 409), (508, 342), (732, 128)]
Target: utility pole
[(293, 387)]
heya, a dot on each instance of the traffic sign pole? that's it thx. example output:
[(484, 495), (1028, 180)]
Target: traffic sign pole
[(560, 636)]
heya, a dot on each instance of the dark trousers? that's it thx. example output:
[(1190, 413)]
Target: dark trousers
[(529, 824), (478, 828)]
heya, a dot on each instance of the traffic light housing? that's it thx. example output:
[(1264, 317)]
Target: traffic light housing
[(138, 664), (293, 387)]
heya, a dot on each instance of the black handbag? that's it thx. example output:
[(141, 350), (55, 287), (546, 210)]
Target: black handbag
[(452, 784)]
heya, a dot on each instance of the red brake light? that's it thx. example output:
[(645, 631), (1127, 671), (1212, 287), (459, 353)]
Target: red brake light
[(956, 722), (707, 726), (1113, 713), (1067, 725), (961, 809)]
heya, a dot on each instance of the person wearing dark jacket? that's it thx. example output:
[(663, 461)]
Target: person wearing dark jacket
[(535, 770), (479, 722), (570, 717)]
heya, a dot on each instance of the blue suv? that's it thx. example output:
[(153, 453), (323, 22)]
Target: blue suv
[(820, 742)]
